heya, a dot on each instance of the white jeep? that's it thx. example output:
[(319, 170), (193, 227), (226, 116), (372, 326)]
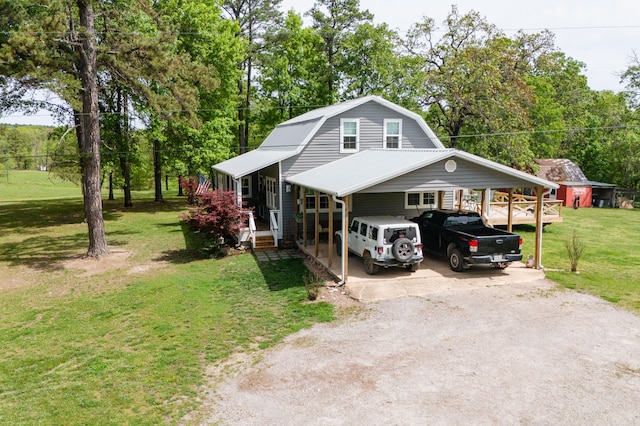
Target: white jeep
[(384, 241)]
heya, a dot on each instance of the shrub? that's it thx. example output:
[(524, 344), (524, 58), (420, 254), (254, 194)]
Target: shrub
[(216, 214), (190, 186), (575, 248), (312, 283)]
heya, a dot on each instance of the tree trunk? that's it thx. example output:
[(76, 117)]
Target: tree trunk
[(111, 197), (90, 133), (125, 165), (157, 169), (180, 194)]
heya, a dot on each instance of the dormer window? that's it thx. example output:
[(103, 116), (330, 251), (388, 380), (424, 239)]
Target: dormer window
[(392, 134), (349, 135)]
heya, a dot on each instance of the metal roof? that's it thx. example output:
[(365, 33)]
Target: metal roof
[(374, 166), (315, 118), (252, 161)]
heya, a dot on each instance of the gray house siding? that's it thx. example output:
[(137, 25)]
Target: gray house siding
[(434, 177), (324, 147)]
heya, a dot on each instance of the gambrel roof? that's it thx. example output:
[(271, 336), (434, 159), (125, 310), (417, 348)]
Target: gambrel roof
[(290, 137)]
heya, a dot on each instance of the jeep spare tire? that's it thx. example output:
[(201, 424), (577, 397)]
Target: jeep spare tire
[(402, 249)]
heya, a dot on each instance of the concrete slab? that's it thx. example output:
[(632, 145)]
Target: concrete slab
[(433, 276)]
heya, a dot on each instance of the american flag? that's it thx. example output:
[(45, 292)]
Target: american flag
[(203, 185)]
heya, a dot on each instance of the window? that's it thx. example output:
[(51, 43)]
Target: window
[(349, 135), (420, 200), (363, 229), (392, 134), (272, 192), (246, 186), (309, 202)]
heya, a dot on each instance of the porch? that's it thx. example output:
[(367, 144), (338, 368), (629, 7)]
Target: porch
[(520, 211)]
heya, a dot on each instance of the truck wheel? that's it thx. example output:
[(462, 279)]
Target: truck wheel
[(456, 262), (413, 268), (339, 246), (369, 267), (402, 249)]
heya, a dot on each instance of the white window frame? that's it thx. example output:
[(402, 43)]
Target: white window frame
[(337, 207), (422, 204), (343, 121), (271, 185), (246, 183), (386, 134)]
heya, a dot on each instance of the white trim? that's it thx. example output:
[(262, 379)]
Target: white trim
[(386, 135), (343, 121), (422, 204), (271, 185), (248, 186)]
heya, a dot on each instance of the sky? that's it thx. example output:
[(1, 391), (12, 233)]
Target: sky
[(601, 34)]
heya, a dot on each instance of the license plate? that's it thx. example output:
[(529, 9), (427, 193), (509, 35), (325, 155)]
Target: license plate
[(498, 258)]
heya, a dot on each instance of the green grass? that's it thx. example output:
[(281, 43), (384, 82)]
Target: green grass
[(121, 347), (608, 267)]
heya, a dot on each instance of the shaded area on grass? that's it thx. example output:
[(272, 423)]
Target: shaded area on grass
[(43, 252)]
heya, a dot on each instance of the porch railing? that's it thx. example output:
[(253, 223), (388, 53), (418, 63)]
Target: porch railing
[(274, 216), (252, 229)]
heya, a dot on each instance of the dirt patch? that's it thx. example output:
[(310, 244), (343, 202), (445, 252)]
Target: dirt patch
[(117, 259), (527, 353)]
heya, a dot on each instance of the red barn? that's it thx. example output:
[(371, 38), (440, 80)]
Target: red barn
[(575, 189)]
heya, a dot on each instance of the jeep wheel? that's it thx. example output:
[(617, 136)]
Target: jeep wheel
[(339, 245), (402, 249), (456, 262), (413, 268), (369, 267)]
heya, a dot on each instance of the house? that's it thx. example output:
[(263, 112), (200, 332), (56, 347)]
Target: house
[(574, 188), (360, 157)]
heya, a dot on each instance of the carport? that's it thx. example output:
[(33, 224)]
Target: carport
[(384, 171)]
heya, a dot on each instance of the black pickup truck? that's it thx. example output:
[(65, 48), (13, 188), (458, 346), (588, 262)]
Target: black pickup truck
[(464, 238)]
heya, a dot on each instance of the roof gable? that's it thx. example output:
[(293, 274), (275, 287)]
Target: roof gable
[(560, 170), (372, 167)]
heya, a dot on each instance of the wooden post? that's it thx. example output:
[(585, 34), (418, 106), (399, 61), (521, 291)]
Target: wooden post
[(460, 192), (345, 234), (538, 253), (296, 209), (304, 216), (440, 199), (316, 225), (330, 235), (483, 200), (510, 211)]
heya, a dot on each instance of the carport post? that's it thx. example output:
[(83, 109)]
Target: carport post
[(510, 211), (316, 234), (304, 215), (539, 207), (440, 199), (345, 234), (330, 235)]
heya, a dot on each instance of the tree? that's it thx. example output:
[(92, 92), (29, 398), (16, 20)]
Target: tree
[(289, 78), (370, 64), (58, 47), (472, 81), (335, 20), (254, 18)]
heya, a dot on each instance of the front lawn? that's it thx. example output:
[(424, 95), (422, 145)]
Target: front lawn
[(129, 344), (608, 267)]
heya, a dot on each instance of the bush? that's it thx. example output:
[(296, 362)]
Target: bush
[(190, 186), (216, 214)]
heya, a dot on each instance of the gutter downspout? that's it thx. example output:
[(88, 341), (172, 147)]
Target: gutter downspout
[(345, 249)]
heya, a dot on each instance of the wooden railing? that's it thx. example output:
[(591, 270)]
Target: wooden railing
[(523, 209)]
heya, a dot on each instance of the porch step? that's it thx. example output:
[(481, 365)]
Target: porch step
[(265, 243)]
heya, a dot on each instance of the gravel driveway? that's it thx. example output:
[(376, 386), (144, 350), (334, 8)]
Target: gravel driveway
[(525, 353)]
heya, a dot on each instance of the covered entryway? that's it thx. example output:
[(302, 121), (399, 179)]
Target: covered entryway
[(373, 178)]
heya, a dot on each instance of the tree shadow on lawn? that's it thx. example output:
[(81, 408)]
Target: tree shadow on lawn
[(194, 247), (31, 217), (43, 252)]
